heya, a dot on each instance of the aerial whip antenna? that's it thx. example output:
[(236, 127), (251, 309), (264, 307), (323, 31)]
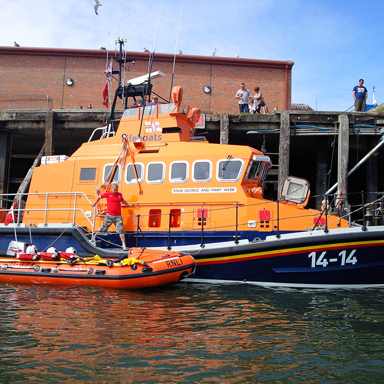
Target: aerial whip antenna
[(174, 57), (152, 55)]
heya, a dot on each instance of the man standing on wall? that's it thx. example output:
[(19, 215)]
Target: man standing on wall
[(360, 94), (243, 95), (113, 216)]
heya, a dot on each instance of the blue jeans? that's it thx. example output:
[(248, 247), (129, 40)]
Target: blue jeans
[(244, 108)]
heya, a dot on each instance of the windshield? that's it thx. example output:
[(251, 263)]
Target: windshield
[(150, 110)]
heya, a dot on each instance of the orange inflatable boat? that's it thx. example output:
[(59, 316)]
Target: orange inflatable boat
[(139, 269)]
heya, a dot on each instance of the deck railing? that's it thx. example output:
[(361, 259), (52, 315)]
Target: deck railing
[(10, 198), (368, 213)]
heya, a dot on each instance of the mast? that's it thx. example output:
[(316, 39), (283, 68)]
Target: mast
[(120, 88)]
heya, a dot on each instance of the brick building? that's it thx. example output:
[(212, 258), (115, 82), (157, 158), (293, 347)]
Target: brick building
[(36, 78)]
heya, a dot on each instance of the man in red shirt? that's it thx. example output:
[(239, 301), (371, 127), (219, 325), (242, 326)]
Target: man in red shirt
[(113, 216)]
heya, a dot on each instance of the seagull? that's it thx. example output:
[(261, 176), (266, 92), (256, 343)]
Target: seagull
[(237, 55), (103, 48), (214, 52), (97, 5), (180, 53), (146, 50), (15, 44)]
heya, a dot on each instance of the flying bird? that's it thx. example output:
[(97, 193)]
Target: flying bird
[(214, 52), (15, 44), (146, 50), (97, 5)]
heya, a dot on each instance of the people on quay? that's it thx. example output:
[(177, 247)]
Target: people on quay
[(258, 101), (113, 216), (250, 104), (360, 95), (154, 101), (243, 96), (138, 103)]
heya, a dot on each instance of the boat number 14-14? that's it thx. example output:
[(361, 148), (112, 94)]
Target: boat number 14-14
[(323, 262)]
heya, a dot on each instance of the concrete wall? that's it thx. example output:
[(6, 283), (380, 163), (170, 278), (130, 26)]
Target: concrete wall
[(32, 78)]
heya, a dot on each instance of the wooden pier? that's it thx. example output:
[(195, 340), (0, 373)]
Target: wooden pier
[(318, 146)]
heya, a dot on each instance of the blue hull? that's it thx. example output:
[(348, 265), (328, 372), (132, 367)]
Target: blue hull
[(342, 258)]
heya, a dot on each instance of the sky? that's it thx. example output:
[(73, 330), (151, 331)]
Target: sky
[(332, 43)]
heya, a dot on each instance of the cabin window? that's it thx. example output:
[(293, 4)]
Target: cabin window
[(175, 218), (179, 172), (155, 173), (154, 220), (87, 174), (172, 130), (107, 173), (229, 169), (202, 171), (257, 171), (130, 177)]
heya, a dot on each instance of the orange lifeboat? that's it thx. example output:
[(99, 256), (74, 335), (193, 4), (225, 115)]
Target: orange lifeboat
[(141, 268)]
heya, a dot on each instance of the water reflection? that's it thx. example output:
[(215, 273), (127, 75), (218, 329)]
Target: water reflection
[(190, 333)]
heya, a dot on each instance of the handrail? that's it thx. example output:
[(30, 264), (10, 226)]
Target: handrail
[(240, 225), (19, 210)]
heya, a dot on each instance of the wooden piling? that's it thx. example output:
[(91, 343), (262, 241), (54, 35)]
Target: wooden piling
[(284, 149), (224, 128), (49, 125), (343, 154)]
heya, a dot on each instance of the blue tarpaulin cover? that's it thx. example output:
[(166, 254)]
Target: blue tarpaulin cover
[(369, 107)]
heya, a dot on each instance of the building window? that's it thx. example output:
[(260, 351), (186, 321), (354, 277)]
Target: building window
[(130, 177), (202, 171), (229, 170), (155, 173), (107, 173), (179, 172)]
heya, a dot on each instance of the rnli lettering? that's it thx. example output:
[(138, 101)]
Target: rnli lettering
[(174, 263), (154, 137), (204, 190)]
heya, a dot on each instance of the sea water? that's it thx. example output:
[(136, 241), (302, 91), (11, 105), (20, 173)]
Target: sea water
[(190, 333)]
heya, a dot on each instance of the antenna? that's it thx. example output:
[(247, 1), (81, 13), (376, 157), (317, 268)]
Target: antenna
[(152, 55), (373, 93), (174, 57)]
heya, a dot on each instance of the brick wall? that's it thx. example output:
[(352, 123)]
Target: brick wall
[(32, 78)]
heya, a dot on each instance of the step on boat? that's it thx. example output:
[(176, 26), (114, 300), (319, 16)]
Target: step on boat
[(141, 268)]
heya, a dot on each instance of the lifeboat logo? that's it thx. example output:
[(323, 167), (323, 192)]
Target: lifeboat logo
[(152, 126)]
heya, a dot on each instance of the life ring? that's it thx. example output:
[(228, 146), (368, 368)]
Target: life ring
[(194, 114), (177, 94)]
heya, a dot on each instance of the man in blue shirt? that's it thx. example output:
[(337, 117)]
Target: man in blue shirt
[(360, 94)]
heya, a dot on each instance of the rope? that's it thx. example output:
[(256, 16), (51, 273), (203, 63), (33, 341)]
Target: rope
[(333, 154)]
